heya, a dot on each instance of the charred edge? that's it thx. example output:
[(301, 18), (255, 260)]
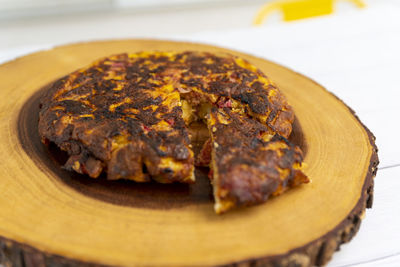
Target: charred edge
[(20, 255)]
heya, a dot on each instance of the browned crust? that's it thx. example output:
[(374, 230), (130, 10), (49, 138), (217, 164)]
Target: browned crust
[(250, 163), (122, 114), (111, 124)]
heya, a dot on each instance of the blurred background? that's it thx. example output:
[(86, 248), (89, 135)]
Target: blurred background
[(31, 23), (350, 47)]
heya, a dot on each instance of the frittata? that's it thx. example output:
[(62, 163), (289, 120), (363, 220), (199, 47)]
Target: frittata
[(128, 115)]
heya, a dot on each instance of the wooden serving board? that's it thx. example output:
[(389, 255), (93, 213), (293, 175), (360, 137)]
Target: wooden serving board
[(50, 217)]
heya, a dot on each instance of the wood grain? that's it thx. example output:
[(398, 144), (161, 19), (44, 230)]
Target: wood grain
[(52, 217)]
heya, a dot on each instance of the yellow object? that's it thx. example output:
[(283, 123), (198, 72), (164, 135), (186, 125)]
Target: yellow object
[(299, 9)]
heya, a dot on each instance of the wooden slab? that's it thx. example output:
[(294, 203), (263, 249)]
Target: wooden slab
[(50, 217)]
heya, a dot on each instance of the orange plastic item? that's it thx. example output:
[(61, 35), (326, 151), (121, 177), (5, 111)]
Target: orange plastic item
[(299, 9)]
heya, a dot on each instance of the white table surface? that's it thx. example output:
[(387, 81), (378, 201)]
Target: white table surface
[(355, 55)]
